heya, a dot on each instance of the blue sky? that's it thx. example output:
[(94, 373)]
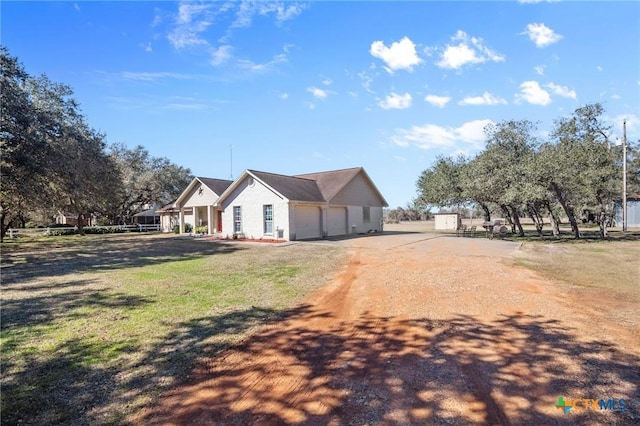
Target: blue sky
[(304, 87)]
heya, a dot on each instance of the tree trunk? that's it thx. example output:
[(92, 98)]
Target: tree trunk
[(3, 226), (487, 212), (567, 209), (81, 224), (507, 217), (555, 223), (602, 220), (516, 221), (536, 217)]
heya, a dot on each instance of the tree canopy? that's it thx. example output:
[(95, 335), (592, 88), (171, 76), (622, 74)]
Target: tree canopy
[(577, 170), (53, 160)]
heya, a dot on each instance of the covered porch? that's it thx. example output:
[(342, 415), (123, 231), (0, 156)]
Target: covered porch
[(209, 217)]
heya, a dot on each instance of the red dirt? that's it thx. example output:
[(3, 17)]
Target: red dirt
[(418, 333)]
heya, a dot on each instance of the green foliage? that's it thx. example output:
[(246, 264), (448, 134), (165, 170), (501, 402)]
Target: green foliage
[(202, 230), (575, 170)]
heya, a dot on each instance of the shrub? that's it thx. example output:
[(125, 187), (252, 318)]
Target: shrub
[(202, 229)]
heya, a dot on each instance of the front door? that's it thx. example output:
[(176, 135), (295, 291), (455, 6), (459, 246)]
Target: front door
[(219, 220)]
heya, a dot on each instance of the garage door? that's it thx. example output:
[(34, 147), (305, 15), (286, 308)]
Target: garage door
[(307, 222), (337, 221)]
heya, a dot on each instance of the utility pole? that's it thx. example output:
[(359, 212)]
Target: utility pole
[(624, 176)]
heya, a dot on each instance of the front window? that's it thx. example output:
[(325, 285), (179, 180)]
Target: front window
[(366, 214), (268, 219), (237, 219)]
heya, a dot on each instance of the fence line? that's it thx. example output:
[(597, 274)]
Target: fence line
[(13, 232)]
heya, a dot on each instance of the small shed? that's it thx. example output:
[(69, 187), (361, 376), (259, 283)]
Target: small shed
[(633, 212), (449, 221)]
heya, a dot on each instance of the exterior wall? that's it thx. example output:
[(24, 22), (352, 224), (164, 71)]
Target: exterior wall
[(168, 221), (358, 225), (207, 198), (251, 198), (447, 221), (358, 192)]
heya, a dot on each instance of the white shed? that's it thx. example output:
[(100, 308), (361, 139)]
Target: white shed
[(447, 221)]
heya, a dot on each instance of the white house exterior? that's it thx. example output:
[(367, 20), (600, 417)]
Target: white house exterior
[(317, 205), (196, 206)]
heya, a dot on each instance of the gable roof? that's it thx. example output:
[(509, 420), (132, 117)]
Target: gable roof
[(331, 182), (291, 187), (217, 186), (320, 187)]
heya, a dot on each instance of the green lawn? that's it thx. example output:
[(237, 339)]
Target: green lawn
[(94, 328)]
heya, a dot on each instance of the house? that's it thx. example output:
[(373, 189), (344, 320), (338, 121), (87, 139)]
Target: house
[(71, 219), (196, 206), (315, 205), (147, 217)]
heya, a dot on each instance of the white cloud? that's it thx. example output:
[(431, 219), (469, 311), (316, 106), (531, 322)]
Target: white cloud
[(76, 7), (147, 47), (395, 101), (327, 81), (284, 96), (430, 136), (366, 82), (152, 76), (531, 92), (486, 99), (437, 101), (192, 20), (400, 55), (539, 69), (541, 35), (599, 68), (249, 65), (318, 93), (466, 50), (221, 55), (563, 91), (282, 11)]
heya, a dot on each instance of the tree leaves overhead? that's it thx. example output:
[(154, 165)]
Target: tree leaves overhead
[(52, 160)]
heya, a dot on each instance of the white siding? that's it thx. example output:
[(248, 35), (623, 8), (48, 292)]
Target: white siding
[(358, 192), (307, 220), (356, 218), (252, 198), (337, 221), (206, 198)]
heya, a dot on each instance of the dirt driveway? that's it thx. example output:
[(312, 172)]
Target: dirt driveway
[(422, 329)]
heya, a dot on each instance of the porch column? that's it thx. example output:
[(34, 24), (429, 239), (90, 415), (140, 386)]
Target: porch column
[(210, 220), (181, 220), (195, 218)]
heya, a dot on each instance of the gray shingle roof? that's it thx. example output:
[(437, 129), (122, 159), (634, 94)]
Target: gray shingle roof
[(332, 181), (292, 187), (216, 185)]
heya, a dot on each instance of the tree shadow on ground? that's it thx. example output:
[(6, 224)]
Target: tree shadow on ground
[(312, 369), (98, 253), (78, 384)]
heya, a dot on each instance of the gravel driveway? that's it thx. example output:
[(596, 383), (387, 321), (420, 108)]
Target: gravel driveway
[(423, 329)]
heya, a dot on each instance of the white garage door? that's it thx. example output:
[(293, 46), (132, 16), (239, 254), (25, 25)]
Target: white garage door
[(337, 221), (307, 222)]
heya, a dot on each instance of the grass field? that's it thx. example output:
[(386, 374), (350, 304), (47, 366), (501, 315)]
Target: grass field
[(95, 327)]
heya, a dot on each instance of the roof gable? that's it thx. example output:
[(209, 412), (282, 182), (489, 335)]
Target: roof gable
[(216, 186), (331, 182)]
